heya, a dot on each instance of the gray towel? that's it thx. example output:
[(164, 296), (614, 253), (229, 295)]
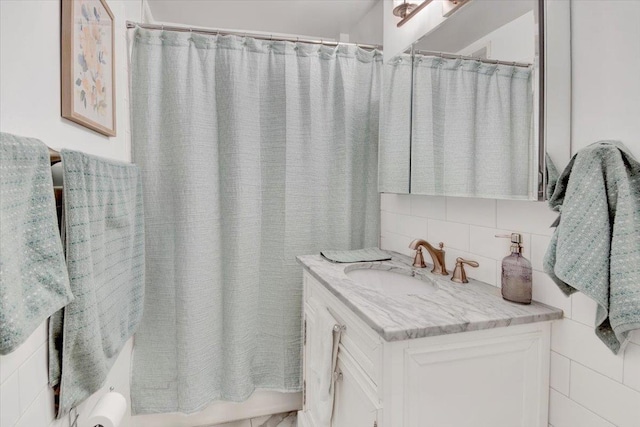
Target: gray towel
[(33, 275), (105, 258), (595, 248), (356, 255)]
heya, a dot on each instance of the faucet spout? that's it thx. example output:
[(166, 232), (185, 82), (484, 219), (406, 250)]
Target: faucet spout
[(437, 256)]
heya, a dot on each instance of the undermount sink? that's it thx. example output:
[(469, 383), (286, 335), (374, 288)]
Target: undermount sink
[(393, 283)]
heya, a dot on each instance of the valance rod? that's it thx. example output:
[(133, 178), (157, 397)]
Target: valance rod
[(131, 24), (454, 56)]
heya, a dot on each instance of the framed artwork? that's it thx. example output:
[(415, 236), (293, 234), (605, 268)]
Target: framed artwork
[(88, 65)]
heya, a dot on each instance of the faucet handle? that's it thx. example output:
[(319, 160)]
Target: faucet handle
[(459, 275)]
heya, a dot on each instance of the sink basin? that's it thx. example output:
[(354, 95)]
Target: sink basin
[(393, 283)]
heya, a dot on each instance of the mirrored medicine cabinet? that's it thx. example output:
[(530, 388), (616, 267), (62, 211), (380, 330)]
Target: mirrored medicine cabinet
[(475, 106)]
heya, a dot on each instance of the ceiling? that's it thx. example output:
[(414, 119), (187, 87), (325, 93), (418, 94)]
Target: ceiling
[(312, 18)]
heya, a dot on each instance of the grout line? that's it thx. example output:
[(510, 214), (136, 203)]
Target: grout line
[(45, 389), (605, 377), (578, 403)]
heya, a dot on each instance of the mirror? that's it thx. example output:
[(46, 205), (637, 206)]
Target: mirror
[(466, 109)]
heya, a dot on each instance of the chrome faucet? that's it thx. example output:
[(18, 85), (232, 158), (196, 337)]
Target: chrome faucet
[(437, 255)]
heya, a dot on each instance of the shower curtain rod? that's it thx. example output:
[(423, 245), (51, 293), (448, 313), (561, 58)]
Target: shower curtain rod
[(454, 56), (131, 24)]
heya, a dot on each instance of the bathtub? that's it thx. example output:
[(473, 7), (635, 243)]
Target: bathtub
[(259, 404)]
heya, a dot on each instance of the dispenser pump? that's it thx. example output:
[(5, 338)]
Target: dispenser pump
[(516, 241), (516, 272)]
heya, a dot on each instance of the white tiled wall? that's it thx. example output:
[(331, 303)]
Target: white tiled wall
[(589, 385), (26, 400)]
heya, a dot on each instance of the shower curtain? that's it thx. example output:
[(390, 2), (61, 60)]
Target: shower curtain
[(252, 152), (472, 129)]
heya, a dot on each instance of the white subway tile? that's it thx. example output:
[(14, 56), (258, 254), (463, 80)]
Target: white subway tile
[(563, 412), (388, 222), (12, 361), (39, 413), (472, 211), (611, 400), (452, 234), (526, 217), (485, 272), (412, 226), (632, 366), (579, 342), (397, 243), (433, 207), (119, 374), (10, 401), (546, 291), (483, 241), (33, 377), (396, 203), (539, 245), (583, 309), (560, 373)]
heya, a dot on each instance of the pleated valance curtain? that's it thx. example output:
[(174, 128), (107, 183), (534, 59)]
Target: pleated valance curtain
[(252, 152), (472, 129)]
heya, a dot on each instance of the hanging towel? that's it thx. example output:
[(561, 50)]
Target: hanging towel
[(357, 255), (595, 248), (323, 375), (33, 275), (105, 258)]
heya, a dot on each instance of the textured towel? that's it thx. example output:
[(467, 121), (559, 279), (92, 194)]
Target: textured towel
[(322, 366), (105, 258), (596, 246), (357, 255), (33, 276)]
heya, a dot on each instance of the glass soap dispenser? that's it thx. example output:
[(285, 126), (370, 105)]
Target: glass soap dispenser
[(516, 272)]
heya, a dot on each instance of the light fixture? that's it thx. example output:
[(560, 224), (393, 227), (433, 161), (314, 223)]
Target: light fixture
[(404, 9)]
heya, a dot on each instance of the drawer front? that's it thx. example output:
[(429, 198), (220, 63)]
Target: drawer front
[(362, 343)]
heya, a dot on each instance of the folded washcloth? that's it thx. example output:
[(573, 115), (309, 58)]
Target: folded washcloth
[(357, 255), (33, 274), (105, 258), (595, 248)]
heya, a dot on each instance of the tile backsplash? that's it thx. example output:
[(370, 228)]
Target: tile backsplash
[(590, 386)]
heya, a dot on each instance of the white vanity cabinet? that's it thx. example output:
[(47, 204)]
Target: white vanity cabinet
[(492, 377)]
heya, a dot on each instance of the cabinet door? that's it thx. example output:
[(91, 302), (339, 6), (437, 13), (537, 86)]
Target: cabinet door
[(497, 382), (355, 399)]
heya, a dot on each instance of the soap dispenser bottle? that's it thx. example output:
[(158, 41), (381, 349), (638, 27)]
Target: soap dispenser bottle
[(516, 273)]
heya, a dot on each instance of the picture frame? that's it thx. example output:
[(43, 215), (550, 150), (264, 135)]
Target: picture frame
[(88, 86)]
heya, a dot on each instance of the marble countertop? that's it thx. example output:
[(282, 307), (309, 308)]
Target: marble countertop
[(450, 309)]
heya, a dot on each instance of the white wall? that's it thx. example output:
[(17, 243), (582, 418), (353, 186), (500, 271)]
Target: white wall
[(369, 29), (589, 385), (30, 106)]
